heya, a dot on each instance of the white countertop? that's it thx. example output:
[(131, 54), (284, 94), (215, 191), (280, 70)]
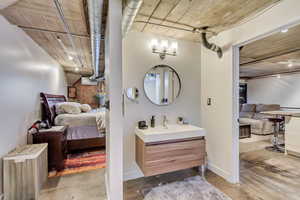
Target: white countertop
[(173, 132), (283, 113)]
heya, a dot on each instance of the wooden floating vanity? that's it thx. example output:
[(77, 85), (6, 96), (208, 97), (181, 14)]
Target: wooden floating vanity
[(182, 149)]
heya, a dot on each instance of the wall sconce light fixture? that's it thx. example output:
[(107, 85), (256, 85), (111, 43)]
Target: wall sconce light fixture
[(163, 48)]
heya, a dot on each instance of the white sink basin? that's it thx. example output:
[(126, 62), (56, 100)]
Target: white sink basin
[(173, 132)]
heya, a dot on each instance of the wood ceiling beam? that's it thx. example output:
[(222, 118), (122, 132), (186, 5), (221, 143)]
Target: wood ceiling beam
[(86, 15), (296, 71), (282, 53), (52, 31)]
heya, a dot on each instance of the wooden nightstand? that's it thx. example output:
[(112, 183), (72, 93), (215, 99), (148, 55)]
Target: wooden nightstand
[(56, 137)]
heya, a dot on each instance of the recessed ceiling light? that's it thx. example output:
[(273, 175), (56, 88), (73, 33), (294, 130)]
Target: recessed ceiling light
[(278, 76), (76, 69), (284, 30), (70, 57), (290, 65)]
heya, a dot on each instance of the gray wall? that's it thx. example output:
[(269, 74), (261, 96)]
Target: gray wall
[(137, 60), (25, 71), (284, 91)]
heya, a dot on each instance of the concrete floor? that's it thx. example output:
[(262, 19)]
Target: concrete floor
[(82, 186)]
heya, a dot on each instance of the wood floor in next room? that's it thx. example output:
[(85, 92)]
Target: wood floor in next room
[(264, 176)]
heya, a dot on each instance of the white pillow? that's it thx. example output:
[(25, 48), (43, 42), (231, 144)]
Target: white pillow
[(85, 108), (67, 107)]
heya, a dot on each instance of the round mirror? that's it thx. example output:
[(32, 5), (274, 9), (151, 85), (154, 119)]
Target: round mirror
[(162, 85)]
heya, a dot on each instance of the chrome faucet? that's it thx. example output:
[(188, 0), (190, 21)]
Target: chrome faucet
[(165, 121)]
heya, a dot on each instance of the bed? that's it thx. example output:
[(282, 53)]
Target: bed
[(85, 130)]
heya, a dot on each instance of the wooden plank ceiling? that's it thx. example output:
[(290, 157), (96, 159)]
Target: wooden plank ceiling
[(42, 14), (40, 20), (217, 14), (275, 54)]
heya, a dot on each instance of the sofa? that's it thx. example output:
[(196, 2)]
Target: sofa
[(251, 114)]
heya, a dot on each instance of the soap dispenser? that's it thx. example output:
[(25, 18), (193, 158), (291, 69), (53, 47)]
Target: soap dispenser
[(152, 121)]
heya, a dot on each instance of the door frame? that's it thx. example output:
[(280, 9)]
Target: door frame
[(235, 87)]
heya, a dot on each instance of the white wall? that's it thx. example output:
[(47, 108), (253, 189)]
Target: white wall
[(284, 91), (139, 59), (217, 83), (114, 122), (25, 71)]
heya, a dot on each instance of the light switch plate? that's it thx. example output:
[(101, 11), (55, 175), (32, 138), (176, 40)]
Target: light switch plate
[(209, 101)]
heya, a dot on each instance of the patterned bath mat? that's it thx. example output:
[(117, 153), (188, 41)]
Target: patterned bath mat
[(81, 162), (194, 188)]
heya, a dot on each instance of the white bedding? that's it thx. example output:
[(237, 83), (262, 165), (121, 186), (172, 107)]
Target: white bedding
[(83, 119)]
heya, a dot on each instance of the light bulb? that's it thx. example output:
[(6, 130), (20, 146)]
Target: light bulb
[(164, 45), (70, 57), (290, 65), (154, 44), (174, 46), (76, 69), (278, 76), (284, 30)]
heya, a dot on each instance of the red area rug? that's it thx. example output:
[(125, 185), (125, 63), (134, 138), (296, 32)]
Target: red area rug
[(81, 162)]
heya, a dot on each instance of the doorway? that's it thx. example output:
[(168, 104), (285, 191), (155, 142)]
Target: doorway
[(240, 87)]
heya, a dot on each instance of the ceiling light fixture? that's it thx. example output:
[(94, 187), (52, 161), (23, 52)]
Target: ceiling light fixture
[(284, 30), (70, 57), (64, 48), (278, 76), (163, 48), (76, 69), (290, 65)]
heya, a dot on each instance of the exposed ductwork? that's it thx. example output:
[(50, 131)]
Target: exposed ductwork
[(129, 13), (95, 8), (85, 72), (210, 46)]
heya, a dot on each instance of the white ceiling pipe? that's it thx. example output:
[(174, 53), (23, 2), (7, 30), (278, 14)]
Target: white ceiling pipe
[(95, 19), (129, 13)]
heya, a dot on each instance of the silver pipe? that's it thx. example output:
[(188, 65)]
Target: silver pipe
[(129, 13), (95, 20), (67, 29), (211, 46), (192, 28)]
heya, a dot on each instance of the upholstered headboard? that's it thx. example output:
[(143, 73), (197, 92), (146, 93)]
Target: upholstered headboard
[(48, 104)]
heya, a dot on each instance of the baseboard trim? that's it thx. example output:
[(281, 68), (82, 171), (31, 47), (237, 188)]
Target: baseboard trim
[(133, 173), (107, 187), (224, 174)]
